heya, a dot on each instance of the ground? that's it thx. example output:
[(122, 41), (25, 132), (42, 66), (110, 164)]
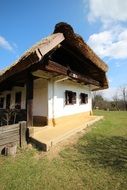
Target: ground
[(96, 160)]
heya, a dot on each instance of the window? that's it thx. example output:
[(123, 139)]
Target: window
[(8, 101), (2, 102), (83, 98), (18, 97), (70, 97)]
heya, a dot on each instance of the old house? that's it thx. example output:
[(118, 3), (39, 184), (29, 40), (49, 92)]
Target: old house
[(54, 79)]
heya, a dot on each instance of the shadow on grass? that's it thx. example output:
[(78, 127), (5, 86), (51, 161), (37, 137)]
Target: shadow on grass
[(106, 152)]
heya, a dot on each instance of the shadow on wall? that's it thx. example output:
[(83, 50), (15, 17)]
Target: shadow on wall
[(106, 152)]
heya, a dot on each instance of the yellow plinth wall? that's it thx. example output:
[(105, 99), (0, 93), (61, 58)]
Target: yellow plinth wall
[(66, 119)]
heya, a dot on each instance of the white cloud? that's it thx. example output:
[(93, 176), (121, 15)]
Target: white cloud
[(5, 44), (109, 93), (107, 10), (111, 43)]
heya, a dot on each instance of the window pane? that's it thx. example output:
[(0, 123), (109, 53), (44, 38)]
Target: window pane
[(70, 97), (8, 101), (18, 97), (83, 98), (1, 102)]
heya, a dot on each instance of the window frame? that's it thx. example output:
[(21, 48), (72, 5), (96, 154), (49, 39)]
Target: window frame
[(70, 97), (83, 98)]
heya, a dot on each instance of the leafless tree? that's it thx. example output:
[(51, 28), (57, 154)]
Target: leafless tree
[(123, 90), (115, 99), (98, 100)]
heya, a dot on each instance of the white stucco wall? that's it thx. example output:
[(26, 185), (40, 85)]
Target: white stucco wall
[(13, 92), (60, 109), (43, 101), (40, 97)]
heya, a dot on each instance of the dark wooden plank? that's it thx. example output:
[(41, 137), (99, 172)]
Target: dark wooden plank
[(13, 134), (29, 100), (9, 140), (9, 127), (84, 79), (9, 130), (10, 137), (7, 135), (55, 67)]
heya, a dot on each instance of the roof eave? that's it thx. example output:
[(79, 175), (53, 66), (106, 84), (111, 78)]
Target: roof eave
[(33, 55)]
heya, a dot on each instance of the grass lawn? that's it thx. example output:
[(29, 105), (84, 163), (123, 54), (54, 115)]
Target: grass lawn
[(97, 162)]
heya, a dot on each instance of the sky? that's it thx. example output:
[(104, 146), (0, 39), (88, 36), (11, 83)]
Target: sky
[(101, 23)]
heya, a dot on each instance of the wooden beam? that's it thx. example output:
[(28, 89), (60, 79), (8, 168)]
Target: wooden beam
[(50, 43), (88, 66), (52, 66), (55, 67), (29, 100), (85, 79)]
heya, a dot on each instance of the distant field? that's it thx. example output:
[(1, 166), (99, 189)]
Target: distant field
[(97, 162)]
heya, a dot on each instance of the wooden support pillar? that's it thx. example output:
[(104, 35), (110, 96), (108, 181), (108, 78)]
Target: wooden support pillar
[(22, 134), (29, 100)]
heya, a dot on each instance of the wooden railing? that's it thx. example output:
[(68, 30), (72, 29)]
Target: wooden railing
[(12, 136)]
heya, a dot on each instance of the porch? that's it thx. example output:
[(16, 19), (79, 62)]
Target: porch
[(46, 137)]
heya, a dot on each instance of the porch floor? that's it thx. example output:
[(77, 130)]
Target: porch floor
[(46, 137)]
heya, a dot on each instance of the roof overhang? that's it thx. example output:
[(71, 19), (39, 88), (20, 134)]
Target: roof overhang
[(64, 37), (33, 55), (77, 43)]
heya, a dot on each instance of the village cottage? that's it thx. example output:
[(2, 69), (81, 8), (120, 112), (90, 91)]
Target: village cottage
[(52, 82)]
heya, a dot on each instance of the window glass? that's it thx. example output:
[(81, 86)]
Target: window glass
[(83, 98), (8, 101), (18, 97), (70, 97), (1, 102)]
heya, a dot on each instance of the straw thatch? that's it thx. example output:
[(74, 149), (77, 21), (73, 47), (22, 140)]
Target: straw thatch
[(76, 42), (31, 50), (64, 35), (32, 56)]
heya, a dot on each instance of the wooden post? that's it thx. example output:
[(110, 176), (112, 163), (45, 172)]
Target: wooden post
[(29, 100), (22, 133), (11, 149)]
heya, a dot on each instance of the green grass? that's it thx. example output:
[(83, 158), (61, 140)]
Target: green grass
[(97, 162)]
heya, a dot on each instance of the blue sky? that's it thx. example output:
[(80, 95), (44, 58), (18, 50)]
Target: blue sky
[(102, 24)]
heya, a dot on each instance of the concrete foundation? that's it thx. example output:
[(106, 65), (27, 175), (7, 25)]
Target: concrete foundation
[(47, 137)]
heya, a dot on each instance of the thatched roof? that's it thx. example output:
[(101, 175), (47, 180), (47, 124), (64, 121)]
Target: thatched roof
[(64, 35), (32, 55), (77, 43), (49, 41)]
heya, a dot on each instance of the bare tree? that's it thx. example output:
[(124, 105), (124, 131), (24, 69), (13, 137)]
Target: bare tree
[(116, 101), (98, 100), (124, 96)]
